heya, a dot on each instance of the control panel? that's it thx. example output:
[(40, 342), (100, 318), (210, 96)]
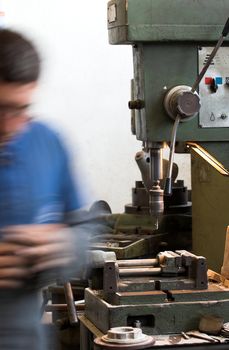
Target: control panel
[(214, 89)]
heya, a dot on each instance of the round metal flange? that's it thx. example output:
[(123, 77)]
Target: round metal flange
[(181, 100), (124, 338), (124, 335), (99, 343)]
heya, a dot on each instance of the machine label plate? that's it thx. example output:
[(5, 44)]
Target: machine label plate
[(112, 13), (214, 89)]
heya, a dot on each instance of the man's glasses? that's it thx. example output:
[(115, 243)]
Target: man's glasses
[(7, 111)]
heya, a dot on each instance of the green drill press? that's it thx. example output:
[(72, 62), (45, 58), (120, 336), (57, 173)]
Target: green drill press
[(180, 95)]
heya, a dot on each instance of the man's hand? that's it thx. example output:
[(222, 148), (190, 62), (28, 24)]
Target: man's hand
[(39, 247), (13, 267)]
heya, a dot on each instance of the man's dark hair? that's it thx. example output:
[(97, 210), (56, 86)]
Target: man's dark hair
[(19, 59)]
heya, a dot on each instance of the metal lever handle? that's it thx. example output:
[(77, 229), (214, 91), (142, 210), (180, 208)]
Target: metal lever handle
[(72, 315), (226, 29), (168, 180)]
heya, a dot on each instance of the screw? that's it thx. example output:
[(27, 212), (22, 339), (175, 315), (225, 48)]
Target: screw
[(137, 324), (223, 116)]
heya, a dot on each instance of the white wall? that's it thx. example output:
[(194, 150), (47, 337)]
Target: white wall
[(84, 90)]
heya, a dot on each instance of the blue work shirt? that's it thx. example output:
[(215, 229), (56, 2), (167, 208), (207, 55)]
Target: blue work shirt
[(36, 185)]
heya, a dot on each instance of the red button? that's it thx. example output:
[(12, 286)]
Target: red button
[(208, 80)]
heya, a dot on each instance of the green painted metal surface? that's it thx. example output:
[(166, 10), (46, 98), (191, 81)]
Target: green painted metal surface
[(159, 297), (167, 34), (166, 20), (160, 318), (164, 65), (132, 235)]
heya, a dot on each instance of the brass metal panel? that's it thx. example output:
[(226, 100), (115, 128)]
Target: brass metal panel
[(210, 194)]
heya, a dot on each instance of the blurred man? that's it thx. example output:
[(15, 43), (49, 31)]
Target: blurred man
[(36, 195)]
